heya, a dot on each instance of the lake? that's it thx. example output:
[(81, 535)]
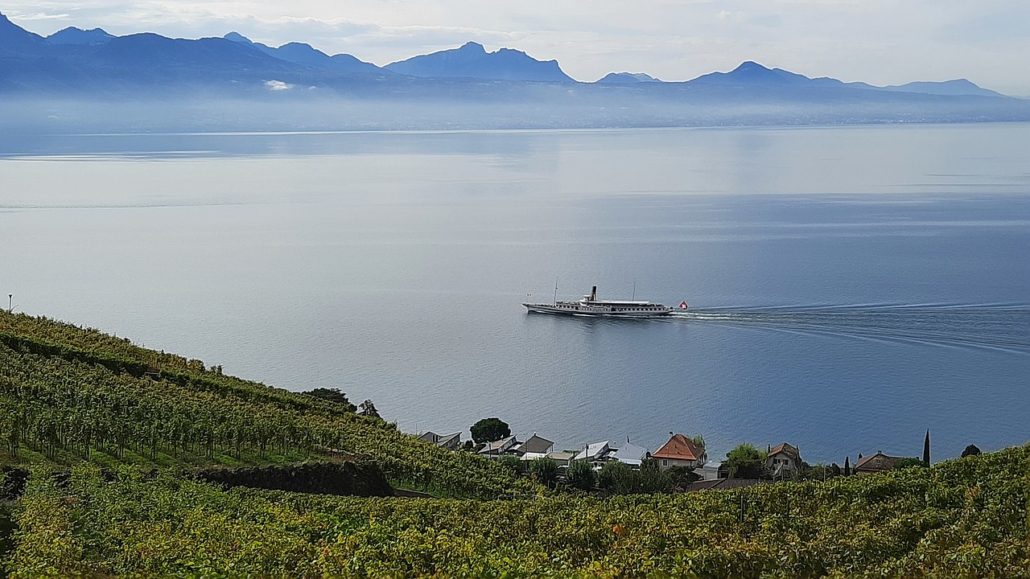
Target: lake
[(849, 288)]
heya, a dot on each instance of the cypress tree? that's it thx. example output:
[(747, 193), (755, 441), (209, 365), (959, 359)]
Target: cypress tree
[(847, 466), (926, 449)]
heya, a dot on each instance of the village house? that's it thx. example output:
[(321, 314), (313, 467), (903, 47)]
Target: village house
[(630, 454), (498, 447), (879, 462), (563, 458), (534, 447), (712, 471), (596, 452), (680, 451), (783, 460), (448, 441)]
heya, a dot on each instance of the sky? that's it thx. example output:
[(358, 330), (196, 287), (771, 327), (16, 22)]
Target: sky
[(877, 41)]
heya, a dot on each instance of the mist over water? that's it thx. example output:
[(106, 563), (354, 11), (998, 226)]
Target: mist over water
[(848, 287)]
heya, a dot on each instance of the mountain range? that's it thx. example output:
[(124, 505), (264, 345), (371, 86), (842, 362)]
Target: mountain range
[(74, 58), (519, 90)]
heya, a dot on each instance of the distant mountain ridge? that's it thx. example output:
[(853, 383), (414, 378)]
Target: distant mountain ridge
[(307, 55), (627, 78), (78, 36), (472, 61), (76, 63), (957, 87), (14, 38)]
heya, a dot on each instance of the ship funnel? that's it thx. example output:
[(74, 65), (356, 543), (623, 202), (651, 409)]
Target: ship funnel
[(593, 294)]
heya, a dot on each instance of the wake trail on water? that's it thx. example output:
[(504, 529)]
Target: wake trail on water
[(1002, 327)]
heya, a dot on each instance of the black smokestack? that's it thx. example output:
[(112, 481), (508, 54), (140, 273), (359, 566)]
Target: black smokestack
[(593, 293)]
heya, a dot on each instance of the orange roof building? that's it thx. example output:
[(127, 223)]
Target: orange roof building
[(878, 462), (680, 451)]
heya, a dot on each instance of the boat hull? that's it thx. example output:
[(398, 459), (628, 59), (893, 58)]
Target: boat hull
[(594, 313)]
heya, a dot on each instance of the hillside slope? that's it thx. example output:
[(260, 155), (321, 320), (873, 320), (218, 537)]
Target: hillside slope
[(70, 395), (963, 518)]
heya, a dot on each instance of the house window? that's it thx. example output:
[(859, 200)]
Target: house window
[(665, 462)]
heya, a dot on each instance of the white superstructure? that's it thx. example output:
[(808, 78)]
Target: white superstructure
[(591, 306)]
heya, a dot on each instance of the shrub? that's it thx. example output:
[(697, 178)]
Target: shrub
[(581, 475)]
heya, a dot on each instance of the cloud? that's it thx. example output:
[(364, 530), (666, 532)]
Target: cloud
[(39, 16), (277, 85)]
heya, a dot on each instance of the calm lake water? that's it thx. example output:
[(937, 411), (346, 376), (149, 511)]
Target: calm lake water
[(849, 287)]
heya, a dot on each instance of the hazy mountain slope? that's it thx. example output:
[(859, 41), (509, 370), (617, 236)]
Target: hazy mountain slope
[(307, 55), (473, 61), (957, 87), (77, 36), (16, 40), (627, 78)]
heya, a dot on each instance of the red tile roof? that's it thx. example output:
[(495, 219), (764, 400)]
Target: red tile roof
[(786, 449), (680, 447), (878, 462)]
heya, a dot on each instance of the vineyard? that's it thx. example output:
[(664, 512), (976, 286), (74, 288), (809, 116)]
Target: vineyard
[(963, 518), (70, 395), (96, 421)]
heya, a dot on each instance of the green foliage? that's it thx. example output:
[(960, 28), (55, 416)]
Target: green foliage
[(965, 518), (544, 471), (334, 395), (621, 479), (581, 475), (653, 479), (745, 461), (511, 463), (681, 476), (489, 430), (70, 395), (971, 450), (819, 471), (618, 478), (366, 408), (909, 462), (75, 396)]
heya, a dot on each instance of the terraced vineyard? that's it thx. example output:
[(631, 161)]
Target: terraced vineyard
[(71, 395), (963, 518), (78, 399)]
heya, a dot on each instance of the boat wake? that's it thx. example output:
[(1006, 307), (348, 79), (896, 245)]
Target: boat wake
[(1003, 327)]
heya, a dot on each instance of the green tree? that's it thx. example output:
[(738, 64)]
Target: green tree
[(512, 463), (618, 478), (366, 408), (745, 461), (489, 430), (581, 475), (653, 479), (971, 450), (544, 470), (908, 462), (334, 395), (681, 476)]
